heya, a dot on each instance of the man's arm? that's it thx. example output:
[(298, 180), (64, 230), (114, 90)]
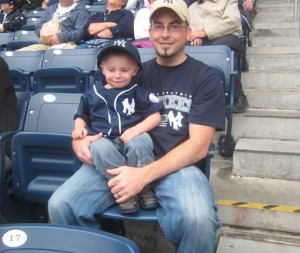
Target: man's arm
[(129, 181), (95, 28)]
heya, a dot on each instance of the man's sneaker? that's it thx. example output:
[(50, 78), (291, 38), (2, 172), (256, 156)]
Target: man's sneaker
[(129, 206), (147, 198), (240, 104)]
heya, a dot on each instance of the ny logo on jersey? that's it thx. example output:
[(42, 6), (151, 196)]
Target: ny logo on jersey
[(120, 43), (128, 108), (175, 122)]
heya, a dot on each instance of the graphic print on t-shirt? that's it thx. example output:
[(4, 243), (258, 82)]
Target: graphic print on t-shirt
[(176, 106)]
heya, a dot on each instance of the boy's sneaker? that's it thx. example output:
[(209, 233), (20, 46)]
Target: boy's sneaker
[(147, 198), (129, 206)]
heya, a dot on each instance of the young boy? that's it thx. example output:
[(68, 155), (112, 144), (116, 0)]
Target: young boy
[(11, 19), (123, 112)]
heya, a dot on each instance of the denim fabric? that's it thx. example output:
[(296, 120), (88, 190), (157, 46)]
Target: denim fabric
[(112, 153), (187, 212)]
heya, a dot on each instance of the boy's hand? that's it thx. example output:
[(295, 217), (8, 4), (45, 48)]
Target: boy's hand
[(128, 135), (79, 133)]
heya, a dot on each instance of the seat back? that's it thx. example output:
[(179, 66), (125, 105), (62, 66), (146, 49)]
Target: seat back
[(65, 70), (40, 238), (31, 23), (22, 65), (22, 38), (4, 39), (42, 153), (23, 98)]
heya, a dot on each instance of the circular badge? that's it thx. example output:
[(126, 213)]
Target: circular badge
[(57, 51), (49, 98), (14, 238)]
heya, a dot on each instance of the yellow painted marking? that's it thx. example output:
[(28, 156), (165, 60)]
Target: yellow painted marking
[(282, 208)]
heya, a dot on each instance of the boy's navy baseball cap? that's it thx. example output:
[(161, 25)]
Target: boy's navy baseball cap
[(120, 45)]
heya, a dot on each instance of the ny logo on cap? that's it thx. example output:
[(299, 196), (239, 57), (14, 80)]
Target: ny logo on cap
[(120, 43), (168, 1)]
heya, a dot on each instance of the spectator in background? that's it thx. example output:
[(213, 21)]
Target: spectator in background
[(28, 5), (72, 18), (142, 25), (8, 104), (114, 23), (11, 19), (218, 22)]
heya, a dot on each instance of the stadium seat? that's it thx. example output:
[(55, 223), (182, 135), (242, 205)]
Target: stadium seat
[(31, 23), (22, 65), (66, 70), (22, 38), (34, 13), (4, 39), (30, 238), (42, 153)]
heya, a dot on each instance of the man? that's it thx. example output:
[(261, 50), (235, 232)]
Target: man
[(193, 108), (11, 19), (72, 18)]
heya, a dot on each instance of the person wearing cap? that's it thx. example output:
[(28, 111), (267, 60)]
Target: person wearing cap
[(122, 112), (11, 19), (194, 108)]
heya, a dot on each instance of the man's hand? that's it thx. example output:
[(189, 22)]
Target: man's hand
[(126, 182), (81, 148), (1, 28), (53, 40), (248, 5)]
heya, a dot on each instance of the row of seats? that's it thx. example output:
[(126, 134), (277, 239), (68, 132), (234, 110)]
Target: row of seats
[(42, 155), (52, 70)]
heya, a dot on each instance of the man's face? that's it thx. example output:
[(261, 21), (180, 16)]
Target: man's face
[(168, 34), (6, 7), (115, 4), (66, 3)]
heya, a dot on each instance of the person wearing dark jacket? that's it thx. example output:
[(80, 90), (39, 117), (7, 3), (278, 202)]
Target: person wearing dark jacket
[(115, 23), (28, 5), (11, 19), (8, 104)]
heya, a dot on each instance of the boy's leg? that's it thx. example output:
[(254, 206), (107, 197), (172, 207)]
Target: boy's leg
[(106, 155), (82, 196), (139, 152), (187, 212)]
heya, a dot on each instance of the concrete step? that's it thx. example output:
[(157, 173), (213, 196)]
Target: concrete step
[(275, 42), (237, 240), (252, 202), (271, 80), (276, 19), (267, 159), (272, 25), (274, 10), (280, 99), (273, 51), (266, 124), (273, 62), (281, 32)]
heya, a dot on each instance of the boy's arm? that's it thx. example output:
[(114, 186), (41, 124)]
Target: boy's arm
[(80, 130), (146, 125)]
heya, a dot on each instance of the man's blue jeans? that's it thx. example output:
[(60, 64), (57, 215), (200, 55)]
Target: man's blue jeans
[(187, 211)]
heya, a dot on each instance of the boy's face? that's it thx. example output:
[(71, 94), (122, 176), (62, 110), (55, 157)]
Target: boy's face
[(6, 7), (119, 70)]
